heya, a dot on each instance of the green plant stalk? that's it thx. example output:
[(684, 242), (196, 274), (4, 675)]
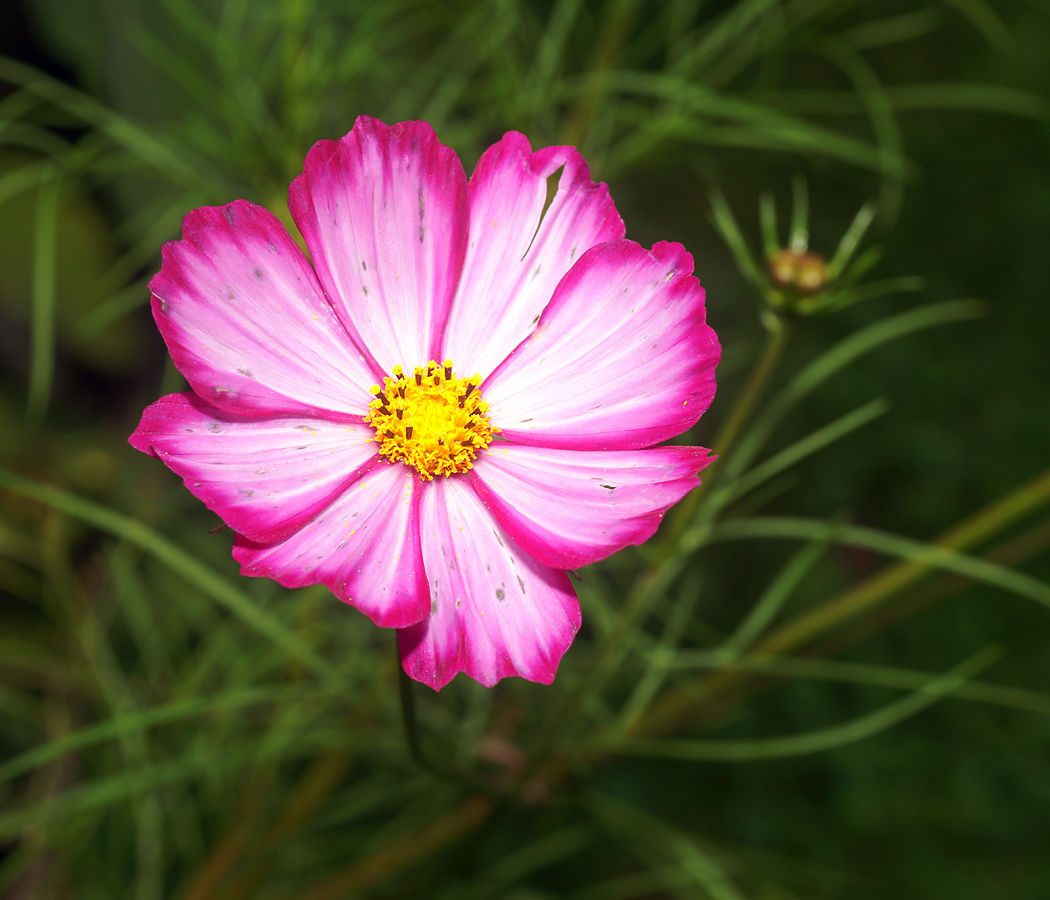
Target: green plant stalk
[(608, 47), (815, 741), (977, 528), (1012, 552), (41, 371), (667, 714), (179, 561), (814, 668), (670, 554), (776, 340), (407, 698), (637, 603), (408, 712)]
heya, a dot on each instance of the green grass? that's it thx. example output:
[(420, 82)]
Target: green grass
[(767, 700)]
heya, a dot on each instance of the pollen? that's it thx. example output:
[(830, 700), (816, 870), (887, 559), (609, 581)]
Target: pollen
[(432, 421)]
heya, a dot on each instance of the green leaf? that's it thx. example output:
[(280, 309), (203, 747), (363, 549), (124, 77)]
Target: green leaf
[(725, 224), (986, 20), (42, 365), (862, 673), (140, 720), (656, 669), (840, 299), (807, 446), (834, 360), (178, 560), (137, 141), (775, 596), (655, 840), (853, 236), (931, 555), (814, 741), (767, 214)]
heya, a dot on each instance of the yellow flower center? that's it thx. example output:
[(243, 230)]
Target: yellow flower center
[(433, 421)]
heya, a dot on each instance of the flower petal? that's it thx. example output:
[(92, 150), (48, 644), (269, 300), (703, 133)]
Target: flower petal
[(495, 611), (247, 322), (622, 357), (570, 508), (364, 547), (265, 477), (384, 213), (519, 248)]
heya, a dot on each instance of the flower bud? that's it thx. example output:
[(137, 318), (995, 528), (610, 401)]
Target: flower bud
[(804, 273)]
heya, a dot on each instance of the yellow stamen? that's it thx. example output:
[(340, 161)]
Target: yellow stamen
[(433, 421)]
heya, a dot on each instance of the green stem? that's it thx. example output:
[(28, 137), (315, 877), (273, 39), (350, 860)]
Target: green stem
[(608, 47), (677, 704), (671, 555), (776, 340), (408, 712), (43, 359), (406, 694)]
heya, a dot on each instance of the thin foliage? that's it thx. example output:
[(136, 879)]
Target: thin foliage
[(175, 729)]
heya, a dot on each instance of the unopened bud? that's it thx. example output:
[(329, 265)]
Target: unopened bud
[(806, 273)]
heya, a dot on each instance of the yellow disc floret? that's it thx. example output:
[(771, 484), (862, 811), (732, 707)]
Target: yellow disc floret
[(433, 421)]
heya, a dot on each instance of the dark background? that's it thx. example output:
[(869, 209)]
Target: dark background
[(955, 803)]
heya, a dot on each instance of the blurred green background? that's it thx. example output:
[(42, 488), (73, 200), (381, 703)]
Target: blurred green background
[(117, 117)]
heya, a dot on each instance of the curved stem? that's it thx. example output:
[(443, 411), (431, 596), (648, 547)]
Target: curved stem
[(406, 695), (670, 556), (408, 713)]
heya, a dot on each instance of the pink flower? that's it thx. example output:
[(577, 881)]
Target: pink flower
[(448, 408)]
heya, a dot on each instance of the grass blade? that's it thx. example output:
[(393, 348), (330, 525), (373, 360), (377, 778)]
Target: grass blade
[(917, 552), (775, 596), (45, 244), (838, 357), (178, 560), (120, 726), (807, 446), (815, 741)]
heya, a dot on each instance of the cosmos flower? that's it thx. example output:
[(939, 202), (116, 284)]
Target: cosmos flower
[(450, 406)]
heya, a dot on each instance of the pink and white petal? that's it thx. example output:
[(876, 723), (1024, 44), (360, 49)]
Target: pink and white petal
[(570, 508), (622, 357), (384, 213), (365, 547), (518, 251), (246, 320), (495, 611), (265, 477)]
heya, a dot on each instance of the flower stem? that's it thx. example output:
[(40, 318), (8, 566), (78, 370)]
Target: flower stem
[(776, 340), (670, 556), (408, 713), (42, 366), (666, 715), (406, 694)]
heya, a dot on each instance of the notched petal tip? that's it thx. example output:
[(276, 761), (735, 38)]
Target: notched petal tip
[(622, 357), (496, 611), (532, 216), (384, 213), (571, 508), (364, 546), (246, 321)]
